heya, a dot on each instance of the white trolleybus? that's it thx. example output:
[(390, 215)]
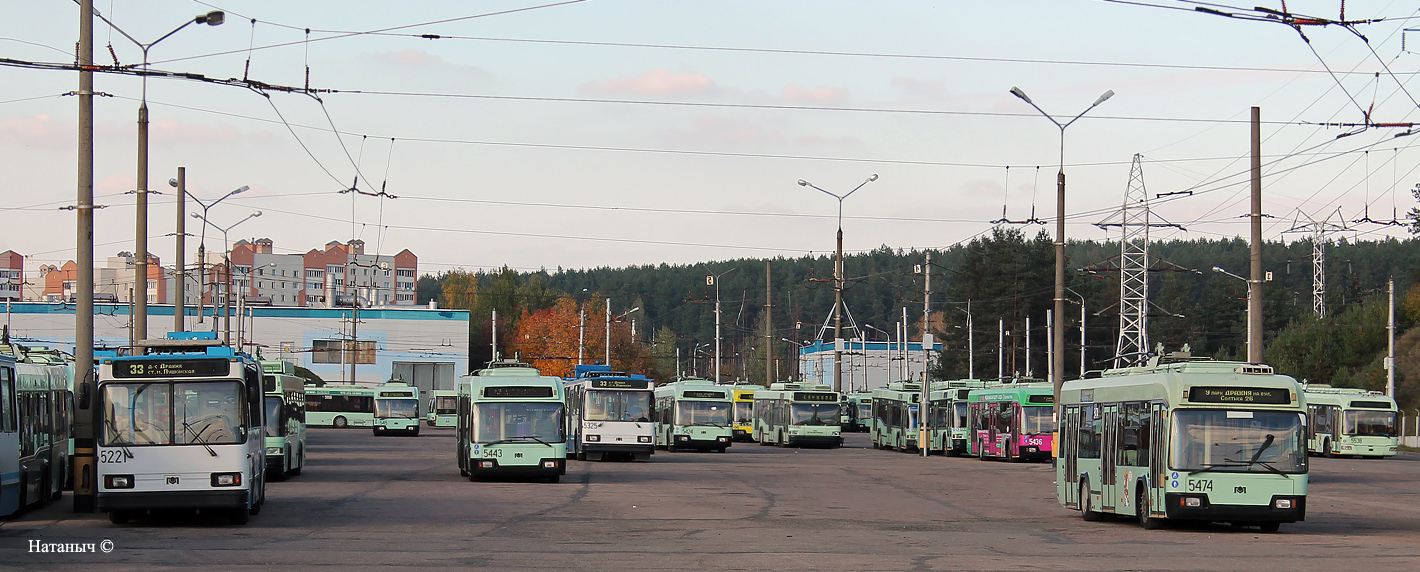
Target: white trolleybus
[(340, 406), (609, 415), (396, 409), (285, 419), (443, 408), (181, 428), (798, 414), (693, 414), (895, 416), (1187, 440), (1347, 421), (511, 423), (34, 432)]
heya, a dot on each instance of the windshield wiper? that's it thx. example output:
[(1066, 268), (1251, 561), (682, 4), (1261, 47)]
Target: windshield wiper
[(516, 440), (1207, 468), (197, 436), (126, 453)]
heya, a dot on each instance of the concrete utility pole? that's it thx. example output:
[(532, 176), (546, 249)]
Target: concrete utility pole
[(581, 333), (608, 334), (180, 260), (1390, 352), (495, 334), (1254, 283), (768, 327), (86, 414)]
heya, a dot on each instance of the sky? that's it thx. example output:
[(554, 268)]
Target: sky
[(538, 134)]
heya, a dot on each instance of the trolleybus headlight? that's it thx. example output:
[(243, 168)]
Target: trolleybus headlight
[(594, 438), (1192, 502), (643, 439), (487, 464), (682, 437), (118, 481), (275, 451), (549, 464), (1282, 503), (723, 439), (226, 479)]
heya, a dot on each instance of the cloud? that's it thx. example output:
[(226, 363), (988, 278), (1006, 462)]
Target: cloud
[(168, 132), (921, 88), (425, 60), (38, 131), (656, 82), (724, 131), (796, 93)]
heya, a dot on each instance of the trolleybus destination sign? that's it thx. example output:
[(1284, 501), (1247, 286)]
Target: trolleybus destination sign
[(824, 397), (205, 367), (1260, 395), (704, 394), (620, 383), (517, 391)]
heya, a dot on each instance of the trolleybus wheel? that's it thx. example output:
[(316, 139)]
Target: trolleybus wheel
[(782, 442), (670, 448), (300, 458), (981, 450), (1085, 512), (339, 423), (1326, 450), (118, 516), (1141, 504), (241, 516), (416, 430), (1269, 526), (581, 456)]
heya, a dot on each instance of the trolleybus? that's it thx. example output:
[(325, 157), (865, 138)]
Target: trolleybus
[(951, 428), (181, 427), (609, 415), (1012, 421), (1188, 440), (797, 414), (443, 408), (895, 416), (742, 425), (511, 423), (396, 409), (693, 414), (1347, 421), (285, 419), (858, 411), (340, 406), (34, 433)]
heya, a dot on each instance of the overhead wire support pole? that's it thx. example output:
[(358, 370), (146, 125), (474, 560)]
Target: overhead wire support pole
[(1254, 284), (86, 391), (838, 283)]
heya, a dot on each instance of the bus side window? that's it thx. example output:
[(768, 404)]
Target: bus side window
[(1088, 439), (7, 400)]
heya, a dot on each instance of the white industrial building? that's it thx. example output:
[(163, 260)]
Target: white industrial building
[(867, 365)]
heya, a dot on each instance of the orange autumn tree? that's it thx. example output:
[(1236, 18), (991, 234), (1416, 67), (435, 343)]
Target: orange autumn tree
[(547, 339)]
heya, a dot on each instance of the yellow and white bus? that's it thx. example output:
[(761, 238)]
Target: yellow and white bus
[(1184, 439), (742, 418), (1348, 421)]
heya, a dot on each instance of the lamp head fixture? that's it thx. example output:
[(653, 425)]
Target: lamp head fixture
[(213, 18), (1016, 91), (1103, 97), (172, 183), (803, 183), (873, 178)]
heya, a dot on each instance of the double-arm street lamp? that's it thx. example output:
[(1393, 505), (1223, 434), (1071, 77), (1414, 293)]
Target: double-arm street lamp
[(202, 245), (714, 280), (227, 279), (140, 268), (1057, 359), (838, 281)]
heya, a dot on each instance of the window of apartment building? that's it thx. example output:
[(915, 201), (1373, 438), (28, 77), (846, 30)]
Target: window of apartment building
[(314, 273), (339, 282), (314, 285), (334, 351), (405, 273)]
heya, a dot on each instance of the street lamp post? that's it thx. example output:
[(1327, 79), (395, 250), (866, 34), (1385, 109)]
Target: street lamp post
[(140, 269), (1082, 334), (1250, 285), (202, 243), (1057, 358), (714, 280), (227, 279), (609, 320), (838, 282), (798, 375)]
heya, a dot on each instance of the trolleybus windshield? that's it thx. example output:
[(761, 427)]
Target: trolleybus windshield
[(865, 409), (603, 405), (275, 422), (814, 413), (446, 405), (206, 413), (497, 422), (1038, 420), (1238, 441), (744, 412), (1370, 423), (715, 413), (397, 408)]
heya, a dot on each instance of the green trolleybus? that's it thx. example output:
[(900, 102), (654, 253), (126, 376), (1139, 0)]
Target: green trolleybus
[(1346, 421), (443, 408), (34, 432), (181, 427), (797, 414), (858, 411), (951, 429), (396, 409), (693, 414), (895, 416), (510, 423), (1188, 440), (340, 406), (1013, 421), (285, 419), (609, 414)]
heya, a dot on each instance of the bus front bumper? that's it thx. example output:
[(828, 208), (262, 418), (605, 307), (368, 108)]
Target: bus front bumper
[(1176, 505), (543, 467), (172, 500), (819, 440), (741, 435), (686, 442), (646, 448)]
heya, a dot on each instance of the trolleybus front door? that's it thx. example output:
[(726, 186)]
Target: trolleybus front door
[(1158, 432), (1068, 449), (1109, 454)]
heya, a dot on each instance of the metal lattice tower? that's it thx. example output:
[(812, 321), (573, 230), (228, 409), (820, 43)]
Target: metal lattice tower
[(1319, 229), (1133, 221)]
